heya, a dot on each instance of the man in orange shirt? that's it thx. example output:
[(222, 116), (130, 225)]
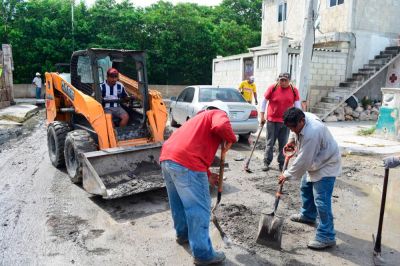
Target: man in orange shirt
[(185, 160)]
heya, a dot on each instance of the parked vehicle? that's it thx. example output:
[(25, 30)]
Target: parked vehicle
[(243, 116)]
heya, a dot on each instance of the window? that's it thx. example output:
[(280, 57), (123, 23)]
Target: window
[(189, 95), (225, 95), (282, 11), (335, 2), (181, 96)]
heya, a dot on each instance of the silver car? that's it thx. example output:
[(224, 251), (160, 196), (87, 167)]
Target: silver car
[(243, 116)]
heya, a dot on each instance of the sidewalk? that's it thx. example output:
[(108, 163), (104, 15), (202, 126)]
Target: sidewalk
[(349, 142)]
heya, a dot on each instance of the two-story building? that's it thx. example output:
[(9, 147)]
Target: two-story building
[(355, 40)]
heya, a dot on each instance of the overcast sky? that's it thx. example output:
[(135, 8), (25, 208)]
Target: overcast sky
[(143, 3)]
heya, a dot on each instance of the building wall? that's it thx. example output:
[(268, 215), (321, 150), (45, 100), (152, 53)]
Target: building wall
[(228, 71), (293, 26), (328, 69), (382, 16), (335, 18)]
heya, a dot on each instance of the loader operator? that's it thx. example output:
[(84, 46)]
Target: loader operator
[(185, 160), (112, 89), (318, 163)]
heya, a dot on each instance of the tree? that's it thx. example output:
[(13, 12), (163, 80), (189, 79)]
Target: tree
[(181, 40), (180, 43)]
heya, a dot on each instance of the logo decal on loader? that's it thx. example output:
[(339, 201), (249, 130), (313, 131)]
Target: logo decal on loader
[(70, 92)]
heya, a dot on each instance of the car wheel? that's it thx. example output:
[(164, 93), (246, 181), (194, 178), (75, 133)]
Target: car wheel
[(172, 122), (244, 137)]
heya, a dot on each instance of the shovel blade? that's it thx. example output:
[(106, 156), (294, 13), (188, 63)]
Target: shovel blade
[(270, 231)]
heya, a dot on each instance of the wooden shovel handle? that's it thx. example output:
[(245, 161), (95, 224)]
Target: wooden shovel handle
[(221, 169)]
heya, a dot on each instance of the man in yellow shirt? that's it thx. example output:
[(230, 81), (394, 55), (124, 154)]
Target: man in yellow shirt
[(247, 88)]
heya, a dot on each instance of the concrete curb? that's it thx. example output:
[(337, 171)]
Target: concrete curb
[(18, 113), (350, 143)]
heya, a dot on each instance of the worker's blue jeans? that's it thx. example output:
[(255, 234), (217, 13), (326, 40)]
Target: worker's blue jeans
[(190, 202), (38, 92), (317, 200)]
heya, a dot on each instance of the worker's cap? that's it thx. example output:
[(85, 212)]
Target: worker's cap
[(251, 78), (217, 104), (37, 74), (284, 75), (112, 72)]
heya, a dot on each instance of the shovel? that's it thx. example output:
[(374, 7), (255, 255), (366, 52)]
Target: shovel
[(246, 165), (214, 219), (270, 226), (377, 257)]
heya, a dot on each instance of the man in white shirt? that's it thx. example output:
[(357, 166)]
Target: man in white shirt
[(37, 81), (318, 163), (112, 89)]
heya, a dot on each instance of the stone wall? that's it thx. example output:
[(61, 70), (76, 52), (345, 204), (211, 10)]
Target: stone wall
[(6, 78)]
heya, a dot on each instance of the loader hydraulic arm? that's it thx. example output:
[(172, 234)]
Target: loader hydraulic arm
[(68, 96)]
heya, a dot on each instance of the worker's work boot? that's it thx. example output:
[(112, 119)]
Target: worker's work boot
[(218, 258), (265, 168), (181, 241), (315, 244), (298, 218)]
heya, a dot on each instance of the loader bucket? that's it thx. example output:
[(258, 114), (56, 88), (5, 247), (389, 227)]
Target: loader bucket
[(122, 171)]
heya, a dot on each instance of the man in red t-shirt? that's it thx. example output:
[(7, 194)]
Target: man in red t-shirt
[(185, 160), (279, 97)]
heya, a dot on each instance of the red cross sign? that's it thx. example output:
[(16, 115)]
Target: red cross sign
[(393, 78)]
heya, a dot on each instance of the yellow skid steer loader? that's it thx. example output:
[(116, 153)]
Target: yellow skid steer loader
[(110, 161)]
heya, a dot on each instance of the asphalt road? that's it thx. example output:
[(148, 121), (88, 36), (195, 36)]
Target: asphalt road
[(47, 220)]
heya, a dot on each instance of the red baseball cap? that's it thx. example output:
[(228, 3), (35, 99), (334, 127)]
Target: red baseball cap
[(112, 71)]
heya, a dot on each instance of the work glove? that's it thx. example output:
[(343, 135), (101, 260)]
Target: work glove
[(391, 162)]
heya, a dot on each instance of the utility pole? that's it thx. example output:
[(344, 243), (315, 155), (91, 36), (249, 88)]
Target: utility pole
[(307, 42)]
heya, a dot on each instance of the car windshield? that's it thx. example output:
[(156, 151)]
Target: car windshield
[(225, 95)]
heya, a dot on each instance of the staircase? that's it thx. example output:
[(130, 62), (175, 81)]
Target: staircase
[(338, 95)]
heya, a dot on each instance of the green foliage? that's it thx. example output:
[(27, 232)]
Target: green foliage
[(181, 40), (366, 131)]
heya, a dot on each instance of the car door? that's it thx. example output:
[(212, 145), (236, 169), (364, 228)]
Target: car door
[(178, 107), (188, 102)]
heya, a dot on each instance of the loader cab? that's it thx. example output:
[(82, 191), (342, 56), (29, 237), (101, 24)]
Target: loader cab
[(89, 70)]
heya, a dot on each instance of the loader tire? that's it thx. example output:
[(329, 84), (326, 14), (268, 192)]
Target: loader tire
[(56, 134), (77, 142)]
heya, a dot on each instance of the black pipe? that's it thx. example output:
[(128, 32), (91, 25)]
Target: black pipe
[(377, 247)]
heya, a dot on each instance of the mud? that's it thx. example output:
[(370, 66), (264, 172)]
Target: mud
[(47, 220), (239, 222), (146, 176), (10, 134)]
